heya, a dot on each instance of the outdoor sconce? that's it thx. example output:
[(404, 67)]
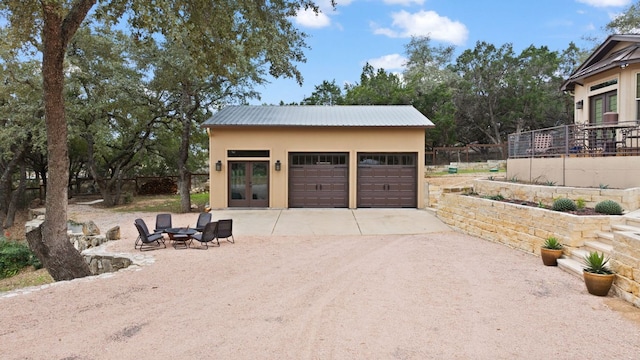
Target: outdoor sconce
[(278, 165), (219, 166), (579, 104)]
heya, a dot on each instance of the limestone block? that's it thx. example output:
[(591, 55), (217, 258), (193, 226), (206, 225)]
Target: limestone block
[(90, 228), (96, 240), (32, 224), (627, 285), (120, 263), (93, 266), (113, 233), (78, 240), (35, 213), (622, 269), (627, 260), (106, 265)]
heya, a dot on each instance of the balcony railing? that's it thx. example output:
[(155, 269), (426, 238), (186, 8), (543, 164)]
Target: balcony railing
[(621, 138)]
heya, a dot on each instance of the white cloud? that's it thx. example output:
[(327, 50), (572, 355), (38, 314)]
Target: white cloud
[(389, 62), (425, 23), (403, 2), (605, 3), (308, 18)]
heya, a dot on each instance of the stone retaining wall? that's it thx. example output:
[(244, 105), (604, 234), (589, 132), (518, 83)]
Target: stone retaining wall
[(87, 239), (629, 199), (625, 262), (526, 228), (519, 226)]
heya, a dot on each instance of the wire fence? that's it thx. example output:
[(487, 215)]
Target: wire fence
[(470, 153)]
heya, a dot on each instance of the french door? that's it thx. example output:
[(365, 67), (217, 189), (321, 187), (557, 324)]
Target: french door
[(248, 184), (600, 104)]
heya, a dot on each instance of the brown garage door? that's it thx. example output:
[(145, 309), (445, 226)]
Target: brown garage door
[(387, 181), (318, 180)]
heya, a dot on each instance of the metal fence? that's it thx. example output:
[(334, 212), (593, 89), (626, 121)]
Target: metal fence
[(620, 138)]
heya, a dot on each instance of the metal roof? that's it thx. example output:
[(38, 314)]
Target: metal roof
[(344, 115), (602, 59)]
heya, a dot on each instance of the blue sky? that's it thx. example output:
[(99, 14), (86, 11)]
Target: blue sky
[(342, 40)]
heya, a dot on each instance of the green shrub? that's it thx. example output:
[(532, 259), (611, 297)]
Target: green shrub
[(14, 256), (608, 207), (581, 203), (564, 204)]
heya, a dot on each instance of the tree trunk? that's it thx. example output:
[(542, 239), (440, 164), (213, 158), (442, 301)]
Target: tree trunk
[(183, 156), (15, 197), (51, 245)]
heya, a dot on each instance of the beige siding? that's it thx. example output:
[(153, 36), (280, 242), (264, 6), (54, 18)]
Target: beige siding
[(626, 88), (281, 141)]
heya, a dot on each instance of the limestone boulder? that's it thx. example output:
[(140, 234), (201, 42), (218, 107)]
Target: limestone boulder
[(113, 233), (90, 228)]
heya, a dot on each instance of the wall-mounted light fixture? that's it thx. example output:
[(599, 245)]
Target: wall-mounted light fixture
[(219, 166), (579, 104), (278, 165)]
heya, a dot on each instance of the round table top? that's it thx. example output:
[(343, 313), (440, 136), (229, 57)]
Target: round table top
[(181, 230)]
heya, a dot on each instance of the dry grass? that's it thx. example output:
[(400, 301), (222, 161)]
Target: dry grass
[(25, 278)]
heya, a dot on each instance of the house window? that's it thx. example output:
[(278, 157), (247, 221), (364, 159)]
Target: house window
[(248, 153), (603, 84)]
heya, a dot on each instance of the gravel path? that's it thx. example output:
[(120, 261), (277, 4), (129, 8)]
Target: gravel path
[(434, 296)]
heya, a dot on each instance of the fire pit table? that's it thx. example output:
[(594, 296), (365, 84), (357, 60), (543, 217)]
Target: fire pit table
[(180, 236)]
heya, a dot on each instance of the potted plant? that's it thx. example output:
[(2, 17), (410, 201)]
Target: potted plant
[(597, 276), (551, 251)]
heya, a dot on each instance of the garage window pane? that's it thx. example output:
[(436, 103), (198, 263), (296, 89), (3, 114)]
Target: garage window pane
[(318, 159)]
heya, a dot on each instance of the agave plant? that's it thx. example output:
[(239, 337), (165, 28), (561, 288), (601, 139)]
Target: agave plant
[(596, 263), (552, 243)]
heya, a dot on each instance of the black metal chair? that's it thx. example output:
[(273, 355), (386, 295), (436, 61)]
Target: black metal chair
[(203, 219), (208, 234), (225, 230), (147, 240), (163, 221)]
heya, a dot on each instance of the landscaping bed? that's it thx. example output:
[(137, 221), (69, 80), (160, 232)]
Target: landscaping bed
[(583, 212)]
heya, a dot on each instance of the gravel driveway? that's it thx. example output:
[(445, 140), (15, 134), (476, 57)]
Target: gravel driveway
[(439, 295)]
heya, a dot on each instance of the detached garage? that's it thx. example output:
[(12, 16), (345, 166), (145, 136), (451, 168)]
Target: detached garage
[(317, 156)]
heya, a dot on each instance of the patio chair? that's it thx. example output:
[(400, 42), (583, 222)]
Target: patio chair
[(147, 240), (163, 221), (203, 219), (208, 235), (542, 143), (225, 228)]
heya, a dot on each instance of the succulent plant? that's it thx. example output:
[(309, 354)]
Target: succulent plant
[(608, 207), (552, 243), (564, 204), (596, 263)]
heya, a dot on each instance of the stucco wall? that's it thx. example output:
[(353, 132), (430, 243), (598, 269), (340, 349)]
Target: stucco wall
[(626, 87), (617, 172), (280, 141)]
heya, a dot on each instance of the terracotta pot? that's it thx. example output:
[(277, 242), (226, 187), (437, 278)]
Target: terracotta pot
[(598, 284), (550, 256)]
